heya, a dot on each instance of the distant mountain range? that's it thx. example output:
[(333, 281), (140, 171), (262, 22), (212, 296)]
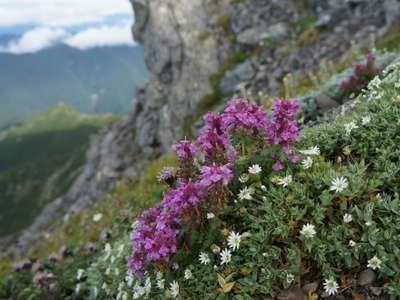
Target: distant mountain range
[(95, 81), (39, 161)]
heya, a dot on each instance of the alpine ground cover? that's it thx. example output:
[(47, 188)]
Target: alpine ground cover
[(236, 227)]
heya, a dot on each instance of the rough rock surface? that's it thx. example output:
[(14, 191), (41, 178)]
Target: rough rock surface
[(187, 41)]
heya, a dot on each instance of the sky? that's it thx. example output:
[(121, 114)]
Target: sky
[(82, 24)]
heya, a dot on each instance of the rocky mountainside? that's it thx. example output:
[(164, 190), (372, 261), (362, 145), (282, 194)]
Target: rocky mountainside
[(200, 54)]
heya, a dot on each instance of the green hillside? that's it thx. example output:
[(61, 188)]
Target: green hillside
[(39, 160), (95, 81)]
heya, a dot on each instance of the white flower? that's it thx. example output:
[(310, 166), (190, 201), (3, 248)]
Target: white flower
[(97, 217), (352, 243), (188, 274), (368, 223), (159, 275), (161, 283), (138, 291), (135, 225), (124, 296), (108, 271), (307, 163), (365, 120), (80, 274), (174, 289), (78, 288), (254, 169), (129, 279), (312, 151), (265, 254), (215, 267), (121, 249), (210, 216), (263, 187), (204, 258), (147, 285), (243, 178), (308, 230), (285, 181), (234, 240), (289, 278), (349, 127), (104, 286), (331, 286), (339, 184), (226, 256), (245, 193), (347, 218), (374, 263)]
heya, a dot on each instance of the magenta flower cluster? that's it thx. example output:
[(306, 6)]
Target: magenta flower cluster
[(363, 73), (215, 173), (282, 129), (155, 240)]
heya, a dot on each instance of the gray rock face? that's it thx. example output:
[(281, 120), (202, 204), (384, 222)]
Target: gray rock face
[(180, 64)]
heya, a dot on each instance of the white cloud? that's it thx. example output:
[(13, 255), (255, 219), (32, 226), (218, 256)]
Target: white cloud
[(35, 40), (102, 36), (59, 12), (44, 37)]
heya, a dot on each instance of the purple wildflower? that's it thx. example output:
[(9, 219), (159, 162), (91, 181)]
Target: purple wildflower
[(241, 115), (214, 174), (185, 149)]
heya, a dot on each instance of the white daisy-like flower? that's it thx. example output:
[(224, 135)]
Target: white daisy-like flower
[(159, 275), (285, 181), (350, 126), (138, 291), (255, 169), (204, 258), (161, 284), (307, 163), (234, 240), (174, 289), (245, 193), (311, 151), (263, 187), (339, 184), (147, 285), (347, 218), (226, 256), (289, 278), (80, 274), (374, 263), (352, 243), (188, 274), (97, 217), (365, 120), (243, 178), (308, 230), (210, 216), (135, 225), (121, 249), (331, 286), (129, 280)]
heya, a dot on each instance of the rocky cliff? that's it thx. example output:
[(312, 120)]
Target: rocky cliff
[(199, 52)]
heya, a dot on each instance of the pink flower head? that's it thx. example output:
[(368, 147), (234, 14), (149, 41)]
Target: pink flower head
[(185, 149), (213, 122), (241, 115), (214, 174), (277, 166)]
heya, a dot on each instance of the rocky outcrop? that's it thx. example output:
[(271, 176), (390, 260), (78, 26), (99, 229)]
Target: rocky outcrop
[(187, 41)]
